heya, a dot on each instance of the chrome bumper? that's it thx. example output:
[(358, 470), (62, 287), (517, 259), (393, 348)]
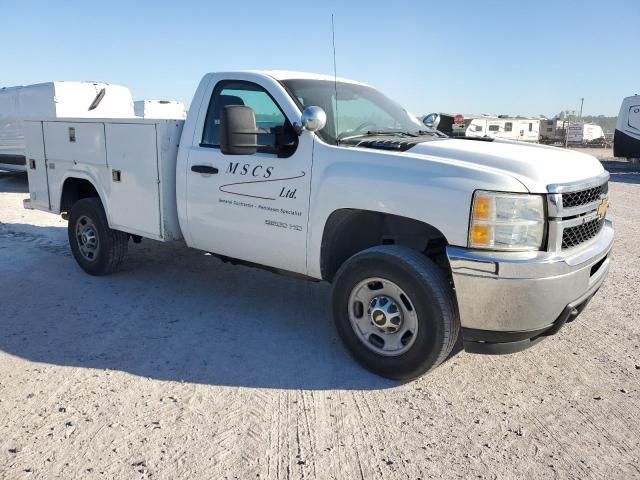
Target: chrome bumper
[(526, 292)]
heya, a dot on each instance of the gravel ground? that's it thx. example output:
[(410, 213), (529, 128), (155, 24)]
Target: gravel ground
[(180, 366), (599, 153)]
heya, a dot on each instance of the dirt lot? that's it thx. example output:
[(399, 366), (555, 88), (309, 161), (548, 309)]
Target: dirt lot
[(180, 366), (599, 153)]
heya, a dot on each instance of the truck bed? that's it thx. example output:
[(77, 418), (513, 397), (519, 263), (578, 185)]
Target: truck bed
[(132, 163)]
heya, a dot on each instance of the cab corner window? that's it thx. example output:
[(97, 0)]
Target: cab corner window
[(275, 133)]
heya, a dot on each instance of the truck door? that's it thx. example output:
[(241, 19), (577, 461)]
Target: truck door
[(250, 207), (36, 166)]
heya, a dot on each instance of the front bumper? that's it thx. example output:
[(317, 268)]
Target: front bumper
[(510, 300)]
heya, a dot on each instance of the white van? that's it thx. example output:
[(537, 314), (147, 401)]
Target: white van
[(54, 100), (626, 141)]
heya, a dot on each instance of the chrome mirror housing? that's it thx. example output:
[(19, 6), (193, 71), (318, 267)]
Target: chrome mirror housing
[(432, 120), (313, 118)]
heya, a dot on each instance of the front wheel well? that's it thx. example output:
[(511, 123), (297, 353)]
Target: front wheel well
[(349, 231), (75, 189)]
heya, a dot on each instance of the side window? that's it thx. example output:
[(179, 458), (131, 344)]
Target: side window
[(478, 128), (508, 127), (269, 117), (494, 128)]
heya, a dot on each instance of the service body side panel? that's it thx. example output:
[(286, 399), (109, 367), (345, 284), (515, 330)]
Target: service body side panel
[(37, 166), (132, 178), (75, 142), (130, 163), (169, 134)]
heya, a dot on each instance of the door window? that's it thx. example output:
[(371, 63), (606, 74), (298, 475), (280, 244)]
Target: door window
[(276, 131)]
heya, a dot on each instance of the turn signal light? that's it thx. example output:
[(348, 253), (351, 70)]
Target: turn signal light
[(507, 221)]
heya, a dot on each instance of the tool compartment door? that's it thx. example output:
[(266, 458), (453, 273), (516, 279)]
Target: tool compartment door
[(76, 142), (132, 157), (36, 166)]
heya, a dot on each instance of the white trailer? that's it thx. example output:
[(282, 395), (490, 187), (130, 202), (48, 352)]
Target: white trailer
[(579, 133), (512, 128), (159, 109), (53, 100), (552, 131), (626, 141)]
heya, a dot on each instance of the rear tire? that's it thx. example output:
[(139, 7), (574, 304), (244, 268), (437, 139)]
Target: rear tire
[(98, 249), (410, 290)]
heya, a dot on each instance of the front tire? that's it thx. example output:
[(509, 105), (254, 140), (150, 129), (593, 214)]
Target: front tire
[(98, 249), (395, 311)]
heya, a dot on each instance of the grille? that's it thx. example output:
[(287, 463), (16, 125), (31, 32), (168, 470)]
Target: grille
[(583, 197), (573, 236)]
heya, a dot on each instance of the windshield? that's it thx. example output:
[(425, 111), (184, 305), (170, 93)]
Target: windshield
[(359, 111)]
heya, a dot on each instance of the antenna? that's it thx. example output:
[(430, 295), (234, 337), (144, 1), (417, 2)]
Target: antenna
[(335, 73)]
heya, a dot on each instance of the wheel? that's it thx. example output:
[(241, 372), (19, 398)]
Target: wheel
[(395, 311), (98, 249)]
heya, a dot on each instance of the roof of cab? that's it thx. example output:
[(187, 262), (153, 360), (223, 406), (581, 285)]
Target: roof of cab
[(292, 75)]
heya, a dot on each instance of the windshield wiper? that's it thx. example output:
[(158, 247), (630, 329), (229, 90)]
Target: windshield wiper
[(434, 133), (370, 133)]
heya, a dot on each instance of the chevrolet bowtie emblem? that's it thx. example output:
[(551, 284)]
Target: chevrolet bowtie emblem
[(602, 208)]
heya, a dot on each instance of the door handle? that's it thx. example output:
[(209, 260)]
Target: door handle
[(204, 169)]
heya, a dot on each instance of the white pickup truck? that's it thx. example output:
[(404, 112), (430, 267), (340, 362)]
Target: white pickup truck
[(421, 235)]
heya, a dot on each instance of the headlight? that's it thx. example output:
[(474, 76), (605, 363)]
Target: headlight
[(507, 221)]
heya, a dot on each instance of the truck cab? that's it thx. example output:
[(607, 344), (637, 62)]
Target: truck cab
[(421, 235)]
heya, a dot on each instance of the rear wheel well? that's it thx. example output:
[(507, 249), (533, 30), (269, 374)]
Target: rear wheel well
[(349, 231), (75, 189)]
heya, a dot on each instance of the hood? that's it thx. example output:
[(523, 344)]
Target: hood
[(535, 166)]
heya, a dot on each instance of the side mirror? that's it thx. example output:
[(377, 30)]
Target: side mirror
[(432, 120), (314, 119), (238, 133)]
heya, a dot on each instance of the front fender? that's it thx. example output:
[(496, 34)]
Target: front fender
[(430, 190)]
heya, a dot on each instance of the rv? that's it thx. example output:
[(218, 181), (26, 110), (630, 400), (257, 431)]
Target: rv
[(586, 134), (512, 128), (552, 130), (54, 100), (626, 140)]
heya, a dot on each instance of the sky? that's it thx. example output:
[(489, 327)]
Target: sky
[(489, 56)]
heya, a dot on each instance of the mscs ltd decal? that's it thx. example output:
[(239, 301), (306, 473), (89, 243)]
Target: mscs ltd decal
[(243, 188)]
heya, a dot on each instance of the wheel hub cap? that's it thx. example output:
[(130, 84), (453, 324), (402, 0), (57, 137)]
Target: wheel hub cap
[(385, 314), (87, 237)]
